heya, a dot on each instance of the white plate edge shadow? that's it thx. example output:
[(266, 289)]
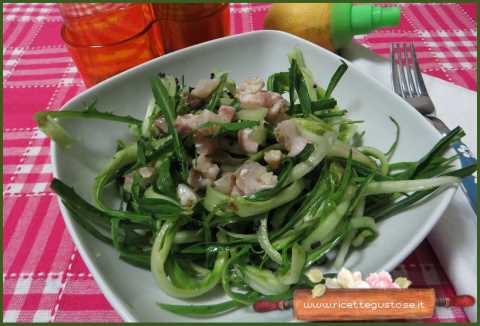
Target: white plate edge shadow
[(121, 307)]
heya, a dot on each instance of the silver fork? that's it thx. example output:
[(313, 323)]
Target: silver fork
[(408, 83)]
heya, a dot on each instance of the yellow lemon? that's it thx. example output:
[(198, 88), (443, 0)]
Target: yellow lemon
[(310, 21)]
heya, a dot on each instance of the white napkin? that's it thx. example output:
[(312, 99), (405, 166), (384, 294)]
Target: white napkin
[(454, 238)]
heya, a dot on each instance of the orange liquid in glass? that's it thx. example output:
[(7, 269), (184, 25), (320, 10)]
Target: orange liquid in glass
[(188, 24), (105, 43)]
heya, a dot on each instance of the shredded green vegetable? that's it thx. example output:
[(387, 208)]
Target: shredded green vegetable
[(265, 243), (335, 79), (47, 122)]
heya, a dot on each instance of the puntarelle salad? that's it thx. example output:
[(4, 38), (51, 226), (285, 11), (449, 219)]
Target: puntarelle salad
[(234, 185)]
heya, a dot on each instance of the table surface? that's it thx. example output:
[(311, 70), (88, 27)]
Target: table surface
[(44, 277)]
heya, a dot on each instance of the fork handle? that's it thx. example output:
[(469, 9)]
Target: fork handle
[(438, 124), (469, 184)]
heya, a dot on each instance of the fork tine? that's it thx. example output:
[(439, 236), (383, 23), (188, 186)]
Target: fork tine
[(414, 71), (411, 84), (417, 72), (403, 80), (394, 66)]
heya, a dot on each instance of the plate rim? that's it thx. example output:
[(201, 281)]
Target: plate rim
[(120, 306)]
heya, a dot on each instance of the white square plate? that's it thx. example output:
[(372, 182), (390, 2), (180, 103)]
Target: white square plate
[(131, 291)]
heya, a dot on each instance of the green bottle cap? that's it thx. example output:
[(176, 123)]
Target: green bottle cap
[(347, 20)]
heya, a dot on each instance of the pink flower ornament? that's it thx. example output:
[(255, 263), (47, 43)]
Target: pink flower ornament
[(381, 280)]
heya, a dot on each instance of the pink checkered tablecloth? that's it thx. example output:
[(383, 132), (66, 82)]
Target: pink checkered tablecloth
[(44, 278)]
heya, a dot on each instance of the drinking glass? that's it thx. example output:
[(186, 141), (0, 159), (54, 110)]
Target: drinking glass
[(107, 38), (187, 24)]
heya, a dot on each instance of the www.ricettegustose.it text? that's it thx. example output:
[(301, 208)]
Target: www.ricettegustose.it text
[(363, 305)]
